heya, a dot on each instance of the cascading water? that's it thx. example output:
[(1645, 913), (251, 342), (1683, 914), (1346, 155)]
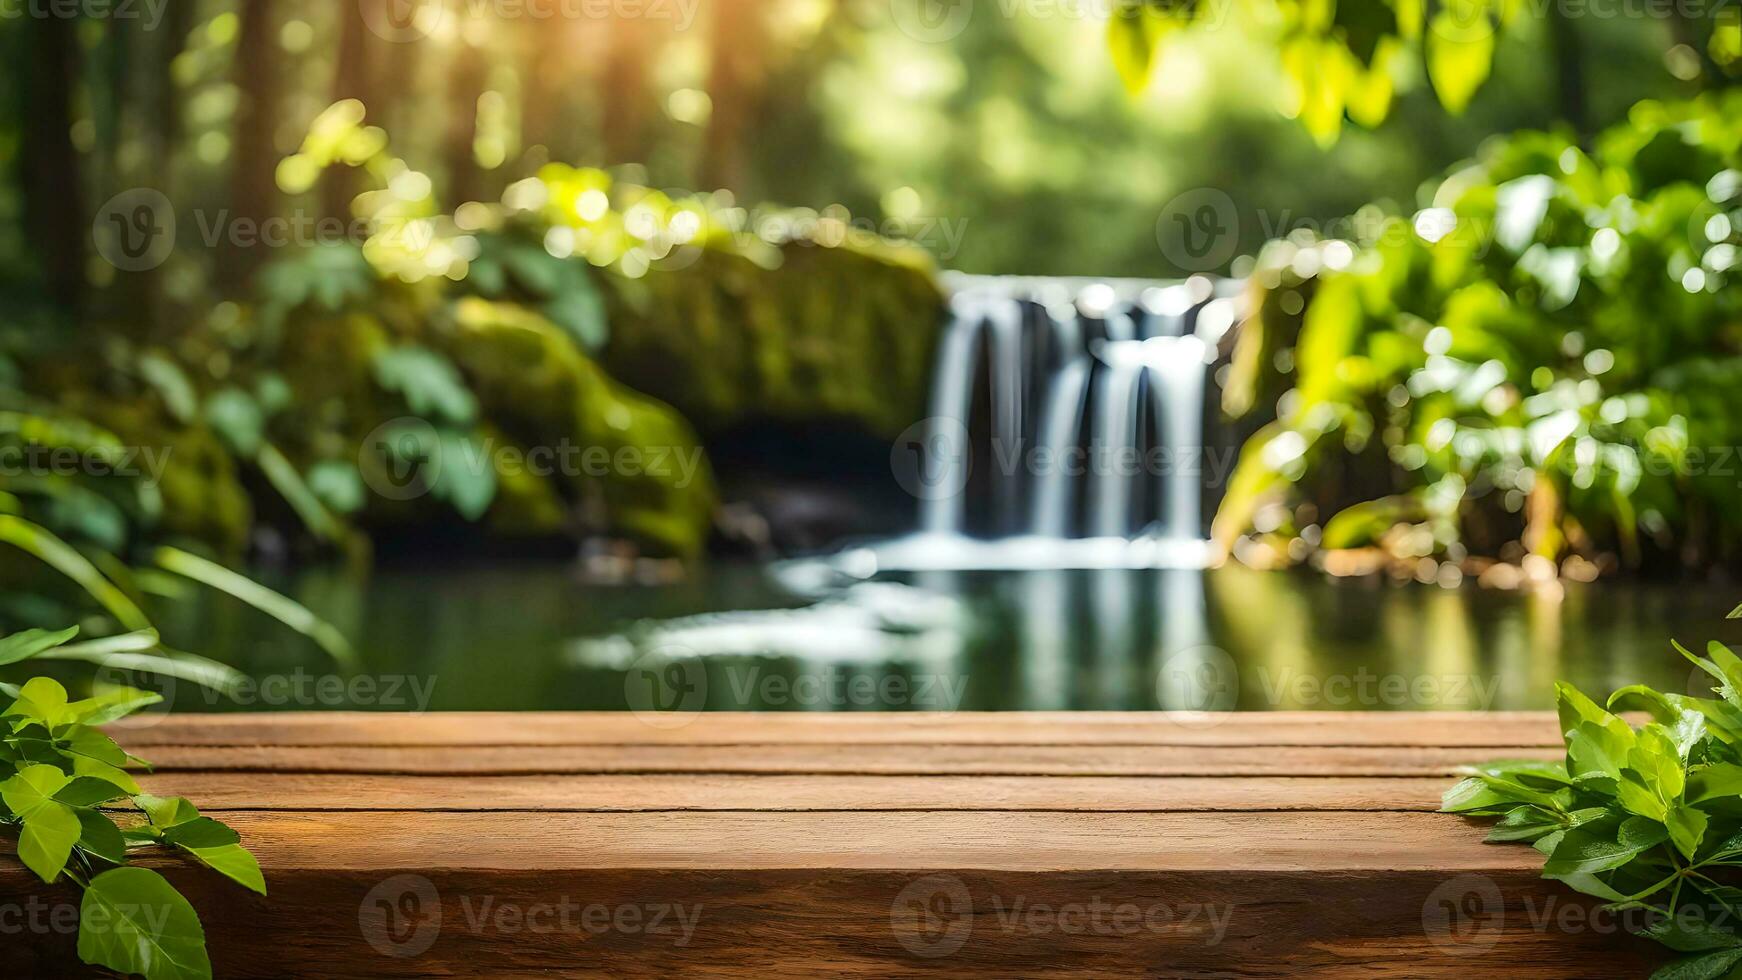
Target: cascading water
[(1109, 472)]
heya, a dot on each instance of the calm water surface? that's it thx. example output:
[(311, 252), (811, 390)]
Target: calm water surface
[(790, 638)]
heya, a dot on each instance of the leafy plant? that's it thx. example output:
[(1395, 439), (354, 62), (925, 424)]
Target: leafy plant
[(1646, 818), (1346, 59), (1545, 354), (66, 791)]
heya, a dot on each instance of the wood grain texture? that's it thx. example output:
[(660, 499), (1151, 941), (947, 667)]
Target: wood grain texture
[(889, 760), (805, 845), (714, 791), (363, 728)]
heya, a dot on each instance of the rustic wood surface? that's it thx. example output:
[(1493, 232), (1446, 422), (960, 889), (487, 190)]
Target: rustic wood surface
[(810, 845)]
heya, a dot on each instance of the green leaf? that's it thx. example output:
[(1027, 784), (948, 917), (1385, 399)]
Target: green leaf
[(92, 744), (470, 488), (51, 828), (200, 832), (1714, 782), (133, 922), (113, 704), (429, 383), (1603, 846), (99, 835), (210, 841), (236, 418), (1690, 934), (233, 861), (280, 607), (166, 811), (65, 559), (1687, 826), (89, 791), (338, 485), (23, 646), (43, 700), (1526, 823), (1460, 52), (1707, 966)]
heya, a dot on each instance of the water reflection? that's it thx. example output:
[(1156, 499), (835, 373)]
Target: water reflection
[(534, 637)]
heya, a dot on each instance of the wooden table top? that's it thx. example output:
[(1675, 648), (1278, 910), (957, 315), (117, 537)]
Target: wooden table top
[(809, 844)]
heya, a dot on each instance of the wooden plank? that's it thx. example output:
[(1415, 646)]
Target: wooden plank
[(324, 791), (858, 845), (790, 923), (1046, 760), (733, 840), (1424, 729)]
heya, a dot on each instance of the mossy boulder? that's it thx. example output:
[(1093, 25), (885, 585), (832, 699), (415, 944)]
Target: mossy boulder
[(632, 463), (199, 486), (842, 333)]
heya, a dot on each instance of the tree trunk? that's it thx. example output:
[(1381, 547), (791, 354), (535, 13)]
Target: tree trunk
[(54, 209), (340, 184), (465, 84), (624, 91), (253, 183), (733, 85), (1569, 55)]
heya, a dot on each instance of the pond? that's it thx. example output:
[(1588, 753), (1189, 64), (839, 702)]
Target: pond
[(798, 636)]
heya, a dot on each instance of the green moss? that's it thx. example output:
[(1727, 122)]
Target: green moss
[(843, 333), (633, 464), (201, 489)]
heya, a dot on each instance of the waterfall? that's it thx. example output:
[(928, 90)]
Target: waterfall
[(1059, 427), (958, 365), (1122, 361), (1181, 370), (1114, 431)]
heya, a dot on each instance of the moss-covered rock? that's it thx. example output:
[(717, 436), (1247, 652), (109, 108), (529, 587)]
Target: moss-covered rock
[(199, 486), (633, 465), (842, 333)]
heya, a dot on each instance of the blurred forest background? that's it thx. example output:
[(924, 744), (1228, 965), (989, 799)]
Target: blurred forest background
[(1013, 130)]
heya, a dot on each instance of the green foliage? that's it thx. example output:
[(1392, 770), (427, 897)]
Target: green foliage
[(1646, 818), (64, 786), (1345, 60), (1548, 353)]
